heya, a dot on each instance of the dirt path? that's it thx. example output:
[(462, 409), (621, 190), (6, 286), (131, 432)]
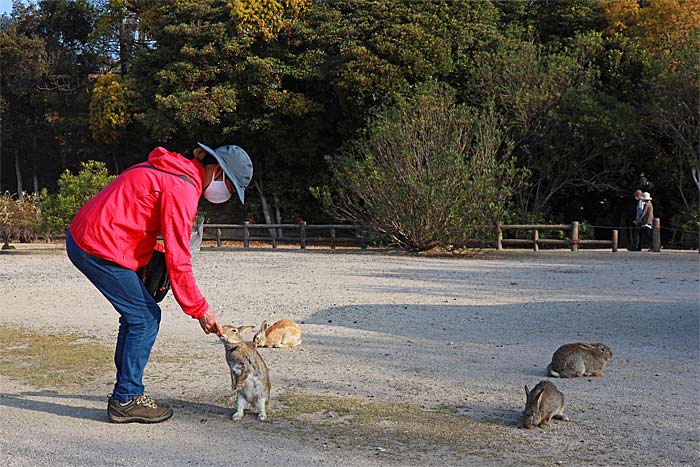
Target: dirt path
[(406, 360)]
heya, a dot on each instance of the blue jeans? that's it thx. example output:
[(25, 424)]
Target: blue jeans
[(139, 316)]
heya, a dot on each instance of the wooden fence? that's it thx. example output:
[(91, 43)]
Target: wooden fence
[(573, 242), (276, 234)]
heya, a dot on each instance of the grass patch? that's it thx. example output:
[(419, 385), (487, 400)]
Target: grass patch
[(394, 426), (56, 361), (52, 361)]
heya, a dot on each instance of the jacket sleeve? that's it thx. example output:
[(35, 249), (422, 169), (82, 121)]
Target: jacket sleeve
[(177, 211), (645, 218)]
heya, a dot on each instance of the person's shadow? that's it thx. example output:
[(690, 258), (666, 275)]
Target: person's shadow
[(58, 405), (26, 400)]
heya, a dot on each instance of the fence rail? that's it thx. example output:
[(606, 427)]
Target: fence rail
[(275, 231), (573, 242)]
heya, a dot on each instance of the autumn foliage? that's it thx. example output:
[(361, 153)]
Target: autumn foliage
[(659, 25), (267, 19), (111, 108)]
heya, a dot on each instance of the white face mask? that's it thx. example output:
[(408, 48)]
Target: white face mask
[(217, 192)]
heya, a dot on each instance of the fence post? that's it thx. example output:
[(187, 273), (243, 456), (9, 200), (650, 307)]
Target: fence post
[(218, 238), (499, 236), (302, 235), (656, 235), (332, 239), (246, 235), (535, 237), (574, 236), (614, 241), (274, 237), (363, 237)]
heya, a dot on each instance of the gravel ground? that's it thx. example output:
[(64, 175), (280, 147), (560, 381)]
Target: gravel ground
[(461, 334)]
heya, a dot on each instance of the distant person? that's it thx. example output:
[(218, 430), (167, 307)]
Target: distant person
[(640, 204), (114, 234), (645, 222), (638, 208)]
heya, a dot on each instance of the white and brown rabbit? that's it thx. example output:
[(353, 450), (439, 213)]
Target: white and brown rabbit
[(250, 378), (579, 359), (284, 333), (543, 403)]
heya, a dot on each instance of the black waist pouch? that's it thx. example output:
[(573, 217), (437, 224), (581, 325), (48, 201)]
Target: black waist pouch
[(155, 276)]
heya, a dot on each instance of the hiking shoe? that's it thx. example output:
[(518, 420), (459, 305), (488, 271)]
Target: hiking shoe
[(140, 409)]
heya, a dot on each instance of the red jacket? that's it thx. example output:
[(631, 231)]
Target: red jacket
[(122, 222)]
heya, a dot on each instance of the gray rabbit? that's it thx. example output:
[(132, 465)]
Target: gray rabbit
[(250, 378), (579, 359), (543, 403)]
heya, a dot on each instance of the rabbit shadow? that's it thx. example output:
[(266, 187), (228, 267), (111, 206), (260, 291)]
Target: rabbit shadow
[(536, 372), (204, 411), (198, 408), (507, 417), (24, 401)]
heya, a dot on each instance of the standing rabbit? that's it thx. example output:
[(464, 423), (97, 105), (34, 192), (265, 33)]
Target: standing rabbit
[(578, 359), (250, 378), (284, 333), (543, 403)]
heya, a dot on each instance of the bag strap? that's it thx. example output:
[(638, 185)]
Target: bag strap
[(149, 166)]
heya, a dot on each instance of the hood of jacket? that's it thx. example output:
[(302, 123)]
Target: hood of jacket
[(175, 163)]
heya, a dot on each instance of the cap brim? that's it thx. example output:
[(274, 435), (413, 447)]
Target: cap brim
[(227, 170)]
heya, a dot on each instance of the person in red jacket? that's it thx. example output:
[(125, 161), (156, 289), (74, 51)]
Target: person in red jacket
[(114, 234)]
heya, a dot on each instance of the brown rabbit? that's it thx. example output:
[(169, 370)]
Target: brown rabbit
[(543, 403), (579, 359), (250, 378), (284, 333)]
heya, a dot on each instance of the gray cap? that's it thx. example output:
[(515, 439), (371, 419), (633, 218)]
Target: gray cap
[(236, 164)]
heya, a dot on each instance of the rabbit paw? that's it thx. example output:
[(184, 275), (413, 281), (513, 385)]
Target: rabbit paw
[(237, 416)]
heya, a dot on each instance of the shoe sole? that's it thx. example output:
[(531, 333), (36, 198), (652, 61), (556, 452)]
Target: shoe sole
[(120, 419)]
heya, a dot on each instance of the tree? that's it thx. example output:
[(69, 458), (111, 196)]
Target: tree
[(673, 117), (267, 19), (567, 132), (659, 25), (665, 36), (24, 59), (111, 108), (49, 110)]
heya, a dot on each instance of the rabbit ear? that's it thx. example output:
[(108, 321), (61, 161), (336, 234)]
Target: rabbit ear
[(527, 392), (538, 399), (263, 326), (245, 329)]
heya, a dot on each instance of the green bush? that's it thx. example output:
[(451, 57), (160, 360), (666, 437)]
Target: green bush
[(74, 191), (427, 173)]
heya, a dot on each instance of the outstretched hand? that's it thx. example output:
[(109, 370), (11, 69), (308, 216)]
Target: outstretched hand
[(210, 323)]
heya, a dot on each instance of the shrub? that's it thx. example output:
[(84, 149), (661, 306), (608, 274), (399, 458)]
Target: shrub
[(20, 218), (74, 191), (427, 173)]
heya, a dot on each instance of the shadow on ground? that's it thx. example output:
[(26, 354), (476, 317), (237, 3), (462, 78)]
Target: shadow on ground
[(26, 400), (561, 321)]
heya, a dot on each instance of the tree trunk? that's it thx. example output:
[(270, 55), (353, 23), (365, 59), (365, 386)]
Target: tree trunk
[(18, 173), (123, 48), (265, 205), (35, 145), (278, 216), (696, 176)]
